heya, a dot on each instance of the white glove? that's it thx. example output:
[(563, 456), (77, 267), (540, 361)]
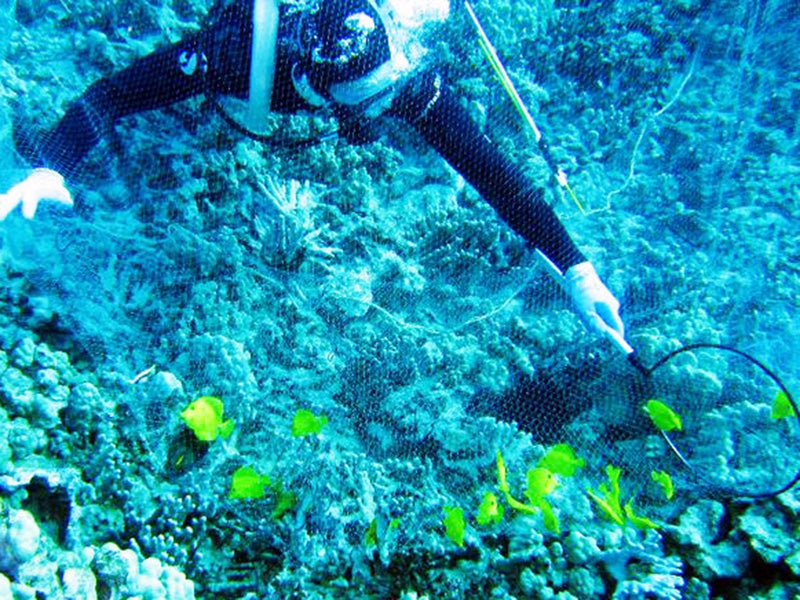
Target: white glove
[(597, 306), (41, 184)]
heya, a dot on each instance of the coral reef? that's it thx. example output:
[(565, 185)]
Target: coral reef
[(370, 285)]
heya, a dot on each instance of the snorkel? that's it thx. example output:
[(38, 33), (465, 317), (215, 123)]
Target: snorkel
[(262, 61)]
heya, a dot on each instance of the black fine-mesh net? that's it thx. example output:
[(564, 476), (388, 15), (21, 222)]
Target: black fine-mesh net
[(368, 253)]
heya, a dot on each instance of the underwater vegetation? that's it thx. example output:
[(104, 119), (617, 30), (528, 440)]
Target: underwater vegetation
[(363, 386)]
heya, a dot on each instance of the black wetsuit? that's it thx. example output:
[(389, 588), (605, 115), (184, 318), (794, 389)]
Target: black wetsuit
[(425, 102)]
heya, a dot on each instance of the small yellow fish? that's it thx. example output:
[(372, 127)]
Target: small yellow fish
[(782, 407), (540, 483), (664, 480), (247, 483), (608, 497), (490, 510), (663, 416), (371, 536), (204, 417), (562, 460), (639, 521), (455, 525), (307, 423)]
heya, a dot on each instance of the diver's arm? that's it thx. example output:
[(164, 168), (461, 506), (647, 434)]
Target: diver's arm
[(151, 82), (215, 58), (435, 112)]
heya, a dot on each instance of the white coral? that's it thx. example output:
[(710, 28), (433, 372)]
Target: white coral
[(19, 539), (126, 576), (290, 233), (642, 570)]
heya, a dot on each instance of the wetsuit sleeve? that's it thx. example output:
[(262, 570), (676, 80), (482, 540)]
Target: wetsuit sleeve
[(435, 112), (216, 58)]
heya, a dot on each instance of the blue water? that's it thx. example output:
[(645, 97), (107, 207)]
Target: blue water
[(371, 286)]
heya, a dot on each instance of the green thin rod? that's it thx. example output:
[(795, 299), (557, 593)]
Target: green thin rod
[(516, 99)]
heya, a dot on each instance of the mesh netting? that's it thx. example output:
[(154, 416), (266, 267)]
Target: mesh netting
[(737, 434), (377, 264)]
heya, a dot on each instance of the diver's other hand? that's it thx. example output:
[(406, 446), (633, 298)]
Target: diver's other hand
[(41, 184), (596, 305)]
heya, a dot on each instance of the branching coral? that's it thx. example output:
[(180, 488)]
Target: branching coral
[(291, 234)]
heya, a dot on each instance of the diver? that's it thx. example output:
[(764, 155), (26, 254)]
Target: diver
[(361, 59)]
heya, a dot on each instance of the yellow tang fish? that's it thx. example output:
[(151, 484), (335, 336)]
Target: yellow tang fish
[(663, 417), (246, 482), (204, 417)]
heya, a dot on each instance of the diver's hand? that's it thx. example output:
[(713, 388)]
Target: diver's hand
[(597, 306), (41, 184)]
